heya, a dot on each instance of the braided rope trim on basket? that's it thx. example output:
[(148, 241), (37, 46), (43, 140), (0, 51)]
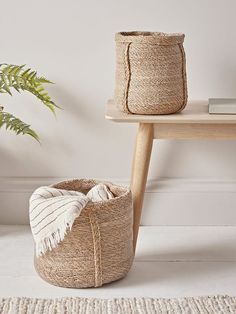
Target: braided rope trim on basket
[(185, 91), (97, 248), (128, 78)]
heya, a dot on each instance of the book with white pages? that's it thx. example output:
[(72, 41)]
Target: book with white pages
[(222, 105)]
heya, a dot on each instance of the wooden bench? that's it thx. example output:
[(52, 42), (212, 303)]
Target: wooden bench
[(194, 122)]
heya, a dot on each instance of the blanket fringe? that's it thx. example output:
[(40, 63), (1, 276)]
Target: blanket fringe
[(53, 212), (53, 239)]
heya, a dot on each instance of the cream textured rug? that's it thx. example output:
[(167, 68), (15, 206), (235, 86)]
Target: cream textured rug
[(199, 305)]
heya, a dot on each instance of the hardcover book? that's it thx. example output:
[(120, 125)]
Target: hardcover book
[(222, 105)]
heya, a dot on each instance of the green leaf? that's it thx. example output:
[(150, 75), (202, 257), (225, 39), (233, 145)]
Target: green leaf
[(7, 89), (18, 78), (16, 125), (42, 80)]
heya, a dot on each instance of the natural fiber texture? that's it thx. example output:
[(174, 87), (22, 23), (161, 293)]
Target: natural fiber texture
[(198, 305), (99, 248), (150, 73)]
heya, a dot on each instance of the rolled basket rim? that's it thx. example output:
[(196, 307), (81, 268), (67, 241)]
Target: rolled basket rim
[(150, 37), (126, 190)]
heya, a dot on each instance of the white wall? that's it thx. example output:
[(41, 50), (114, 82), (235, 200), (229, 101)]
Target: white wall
[(72, 43)]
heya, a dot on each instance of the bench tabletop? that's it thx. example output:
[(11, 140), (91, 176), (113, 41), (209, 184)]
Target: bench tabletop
[(196, 111)]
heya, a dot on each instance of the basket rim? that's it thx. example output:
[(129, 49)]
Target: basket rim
[(147, 37), (126, 190)]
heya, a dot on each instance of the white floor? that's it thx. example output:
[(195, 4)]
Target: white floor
[(170, 262)]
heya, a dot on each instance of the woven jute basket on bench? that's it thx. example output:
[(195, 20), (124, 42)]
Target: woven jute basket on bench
[(99, 247), (150, 72)]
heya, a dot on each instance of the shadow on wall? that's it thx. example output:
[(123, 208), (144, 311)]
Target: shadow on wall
[(60, 139), (88, 114), (80, 109), (193, 159), (6, 159), (11, 163)]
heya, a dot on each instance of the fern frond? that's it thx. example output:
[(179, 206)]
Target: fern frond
[(16, 125), (42, 80), (21, 79)]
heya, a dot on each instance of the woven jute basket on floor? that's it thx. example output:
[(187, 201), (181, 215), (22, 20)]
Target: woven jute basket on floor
[(150, 73), (99, 247)]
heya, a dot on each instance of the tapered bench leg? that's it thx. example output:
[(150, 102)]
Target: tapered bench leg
[(140, 167)]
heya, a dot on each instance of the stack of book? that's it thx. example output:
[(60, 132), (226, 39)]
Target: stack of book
[(222, 105)]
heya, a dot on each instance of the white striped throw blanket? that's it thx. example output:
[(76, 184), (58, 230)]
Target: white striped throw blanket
[(53, 211)]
